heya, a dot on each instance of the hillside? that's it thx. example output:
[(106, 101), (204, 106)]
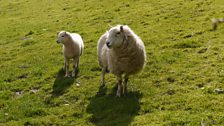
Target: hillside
[(178, 86)]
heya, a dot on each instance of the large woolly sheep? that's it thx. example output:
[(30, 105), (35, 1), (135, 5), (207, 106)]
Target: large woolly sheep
[(121, 52), (73, 47)]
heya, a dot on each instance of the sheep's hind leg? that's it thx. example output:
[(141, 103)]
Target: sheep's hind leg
[(103, 77), (125, 84), (102, 88), (75, 67), (119, 79), (66, 67)]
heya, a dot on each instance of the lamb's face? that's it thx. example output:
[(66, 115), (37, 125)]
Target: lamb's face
[(115, 37), (62, 37)]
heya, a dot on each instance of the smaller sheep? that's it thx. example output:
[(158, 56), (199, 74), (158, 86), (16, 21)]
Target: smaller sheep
[(73, 48), (122, 53), (216, 21)]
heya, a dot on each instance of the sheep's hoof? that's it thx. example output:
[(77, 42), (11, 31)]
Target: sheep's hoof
[(102, 84), (124, 91), (102, 90), (118, 94), (67, 75), (74, 75)]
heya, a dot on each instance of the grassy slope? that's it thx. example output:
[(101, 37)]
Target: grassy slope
[(184, 63)]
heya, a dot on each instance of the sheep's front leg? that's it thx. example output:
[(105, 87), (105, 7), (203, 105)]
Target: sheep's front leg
[(125, 83), (119, 80), (75, 67), (103, 77), (64, 68), (66, 65)]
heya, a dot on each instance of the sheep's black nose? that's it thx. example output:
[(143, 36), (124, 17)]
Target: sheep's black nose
[(108, 44), (57, 41)]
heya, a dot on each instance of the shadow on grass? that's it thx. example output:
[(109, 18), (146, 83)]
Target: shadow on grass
[(108, 110), (61, 83)]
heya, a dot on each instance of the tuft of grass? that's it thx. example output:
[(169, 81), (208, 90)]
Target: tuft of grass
[(187, 44)]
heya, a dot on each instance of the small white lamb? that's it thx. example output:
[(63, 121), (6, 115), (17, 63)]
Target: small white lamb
[(121, 52), (216, 21), (73, 48)]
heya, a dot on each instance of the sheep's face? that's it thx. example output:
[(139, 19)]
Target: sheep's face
[(62, 37), (115, 37)]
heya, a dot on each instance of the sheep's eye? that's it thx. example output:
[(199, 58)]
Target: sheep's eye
[(117, 34), (62, 36)]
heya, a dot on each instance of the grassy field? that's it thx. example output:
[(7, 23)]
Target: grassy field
[(185, 64)]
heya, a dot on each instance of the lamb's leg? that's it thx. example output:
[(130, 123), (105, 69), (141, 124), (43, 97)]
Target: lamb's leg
[(103, 77), (66, 67), (119, 80), (75, 67), (125, 84)]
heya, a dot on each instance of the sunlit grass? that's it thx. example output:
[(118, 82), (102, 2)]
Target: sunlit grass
[(177, 86)]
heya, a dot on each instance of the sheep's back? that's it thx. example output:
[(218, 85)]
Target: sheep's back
[(74, 46), (77, 40)]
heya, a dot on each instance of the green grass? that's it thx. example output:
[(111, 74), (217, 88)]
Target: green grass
[(184, 64)]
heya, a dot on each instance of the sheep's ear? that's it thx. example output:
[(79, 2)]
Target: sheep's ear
[(107, 33), (121, 28)]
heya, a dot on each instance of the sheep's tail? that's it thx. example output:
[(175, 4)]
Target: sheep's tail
[(216, 21)]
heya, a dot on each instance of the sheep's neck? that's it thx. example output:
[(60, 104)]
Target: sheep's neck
[(126, 50), (70, 43)]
